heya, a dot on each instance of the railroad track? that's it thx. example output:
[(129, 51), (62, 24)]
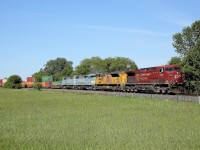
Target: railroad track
[(177, 97)]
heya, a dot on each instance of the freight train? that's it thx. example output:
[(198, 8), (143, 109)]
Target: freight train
[(160, 79)]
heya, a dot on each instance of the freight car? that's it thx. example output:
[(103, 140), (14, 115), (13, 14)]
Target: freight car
[(160, 79), (56, 85), (47, 81)]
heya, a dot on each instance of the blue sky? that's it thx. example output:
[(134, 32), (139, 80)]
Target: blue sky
[(35, 31)]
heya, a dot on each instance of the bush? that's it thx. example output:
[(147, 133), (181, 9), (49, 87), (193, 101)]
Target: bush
[(14, 82), (37, 86)]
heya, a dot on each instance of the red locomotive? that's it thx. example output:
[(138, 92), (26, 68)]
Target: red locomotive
[(161, 79)]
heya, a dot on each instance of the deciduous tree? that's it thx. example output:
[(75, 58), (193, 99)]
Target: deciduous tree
[(14, 82), (98, 65), (38, 75), (187, 45), (187, 39), (175, 61), (191, 62), (57, 68)]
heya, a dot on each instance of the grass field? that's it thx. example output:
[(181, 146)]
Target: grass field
[(47, 120)]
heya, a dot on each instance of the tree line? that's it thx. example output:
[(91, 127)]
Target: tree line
[(62, 67)]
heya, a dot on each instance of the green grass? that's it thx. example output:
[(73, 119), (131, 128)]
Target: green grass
[(46, 120)]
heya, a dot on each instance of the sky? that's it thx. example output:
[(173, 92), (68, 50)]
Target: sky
[(33, 32)]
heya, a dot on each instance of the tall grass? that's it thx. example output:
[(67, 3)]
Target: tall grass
[(46, 120)]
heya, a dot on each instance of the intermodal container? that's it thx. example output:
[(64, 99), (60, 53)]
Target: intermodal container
[(47, 79), (30, 79), (56, 85), (46, 84)]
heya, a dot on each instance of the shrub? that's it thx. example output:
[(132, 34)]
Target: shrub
[(14, 82), (37, 86)]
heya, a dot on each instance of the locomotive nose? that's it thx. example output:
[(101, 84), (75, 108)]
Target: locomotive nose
[(179, 77)]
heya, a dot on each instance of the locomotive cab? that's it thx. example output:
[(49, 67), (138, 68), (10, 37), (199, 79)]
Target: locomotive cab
[(174, 77), (173, 74)]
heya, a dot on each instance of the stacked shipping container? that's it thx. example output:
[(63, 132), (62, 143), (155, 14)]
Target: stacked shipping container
[(56, 85), (29, 82), (30, 79), (47, 81)]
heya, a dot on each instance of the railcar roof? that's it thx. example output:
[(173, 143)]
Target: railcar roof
[(92, 74), (164, 66)]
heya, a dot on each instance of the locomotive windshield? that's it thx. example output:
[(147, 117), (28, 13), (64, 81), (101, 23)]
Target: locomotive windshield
[(169, 69), (172, 69), (177, 69)]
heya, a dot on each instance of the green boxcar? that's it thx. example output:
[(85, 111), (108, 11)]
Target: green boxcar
[(47, 79)]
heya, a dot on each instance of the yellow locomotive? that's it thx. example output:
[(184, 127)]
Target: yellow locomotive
[(111, 81)]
